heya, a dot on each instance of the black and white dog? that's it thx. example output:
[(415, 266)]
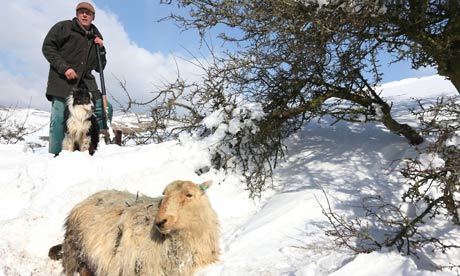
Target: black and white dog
[(80, 124)]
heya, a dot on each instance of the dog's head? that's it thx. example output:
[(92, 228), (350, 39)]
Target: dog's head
[(81, 97)]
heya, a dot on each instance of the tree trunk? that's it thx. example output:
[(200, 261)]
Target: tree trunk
[(391, 124), (454, 77), (448, 67), (402, 129)]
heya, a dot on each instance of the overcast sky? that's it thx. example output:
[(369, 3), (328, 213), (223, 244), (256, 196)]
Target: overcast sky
[(143, 55), (140, 50)]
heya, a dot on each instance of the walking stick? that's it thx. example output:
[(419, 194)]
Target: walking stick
[(107, 132)]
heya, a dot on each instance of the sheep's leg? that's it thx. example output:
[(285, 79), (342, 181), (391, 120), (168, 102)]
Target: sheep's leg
[(55, 252), (72, 251), (84, 271)]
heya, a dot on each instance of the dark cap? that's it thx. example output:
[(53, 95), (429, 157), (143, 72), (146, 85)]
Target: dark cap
[(86, 5)]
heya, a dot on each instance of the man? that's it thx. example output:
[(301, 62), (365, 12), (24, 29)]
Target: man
[(70, 48)]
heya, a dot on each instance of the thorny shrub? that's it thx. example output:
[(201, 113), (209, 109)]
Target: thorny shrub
[(432, 196), (11, 130)]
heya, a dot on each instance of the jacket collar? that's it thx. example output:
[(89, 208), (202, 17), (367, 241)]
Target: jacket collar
[(76, 26)]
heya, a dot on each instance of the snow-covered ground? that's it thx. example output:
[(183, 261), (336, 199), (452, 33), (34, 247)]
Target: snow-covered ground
[(280, 234)]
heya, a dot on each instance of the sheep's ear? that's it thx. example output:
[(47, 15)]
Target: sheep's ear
[(205, 185)]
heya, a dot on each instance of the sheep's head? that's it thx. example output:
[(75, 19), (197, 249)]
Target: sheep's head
[(181, 206)]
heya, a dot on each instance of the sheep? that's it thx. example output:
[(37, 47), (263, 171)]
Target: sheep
[(114, 233)]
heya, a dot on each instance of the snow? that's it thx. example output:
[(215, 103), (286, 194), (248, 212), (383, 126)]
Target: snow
[(282, 233), (418, 87), (454, 140), (383, 264), (430, 160)]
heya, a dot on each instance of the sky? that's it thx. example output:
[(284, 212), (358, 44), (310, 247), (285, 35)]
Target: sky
[(280, 234), (140, 50)]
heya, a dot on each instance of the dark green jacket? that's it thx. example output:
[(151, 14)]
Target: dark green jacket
[(68, 45)]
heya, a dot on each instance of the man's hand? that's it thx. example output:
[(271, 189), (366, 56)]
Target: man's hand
[(70, 74), (99, 41)]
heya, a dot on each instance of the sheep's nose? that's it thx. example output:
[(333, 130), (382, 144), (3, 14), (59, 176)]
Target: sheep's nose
[(161, 223)]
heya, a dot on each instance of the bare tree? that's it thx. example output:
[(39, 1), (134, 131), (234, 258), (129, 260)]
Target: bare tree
[(301, 59)]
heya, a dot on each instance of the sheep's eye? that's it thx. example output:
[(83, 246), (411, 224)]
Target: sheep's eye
[(189, 195)]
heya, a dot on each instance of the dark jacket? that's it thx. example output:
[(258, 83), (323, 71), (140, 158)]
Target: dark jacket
[(68, 45)]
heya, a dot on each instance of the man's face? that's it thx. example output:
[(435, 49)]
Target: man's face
[(85, 17)]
